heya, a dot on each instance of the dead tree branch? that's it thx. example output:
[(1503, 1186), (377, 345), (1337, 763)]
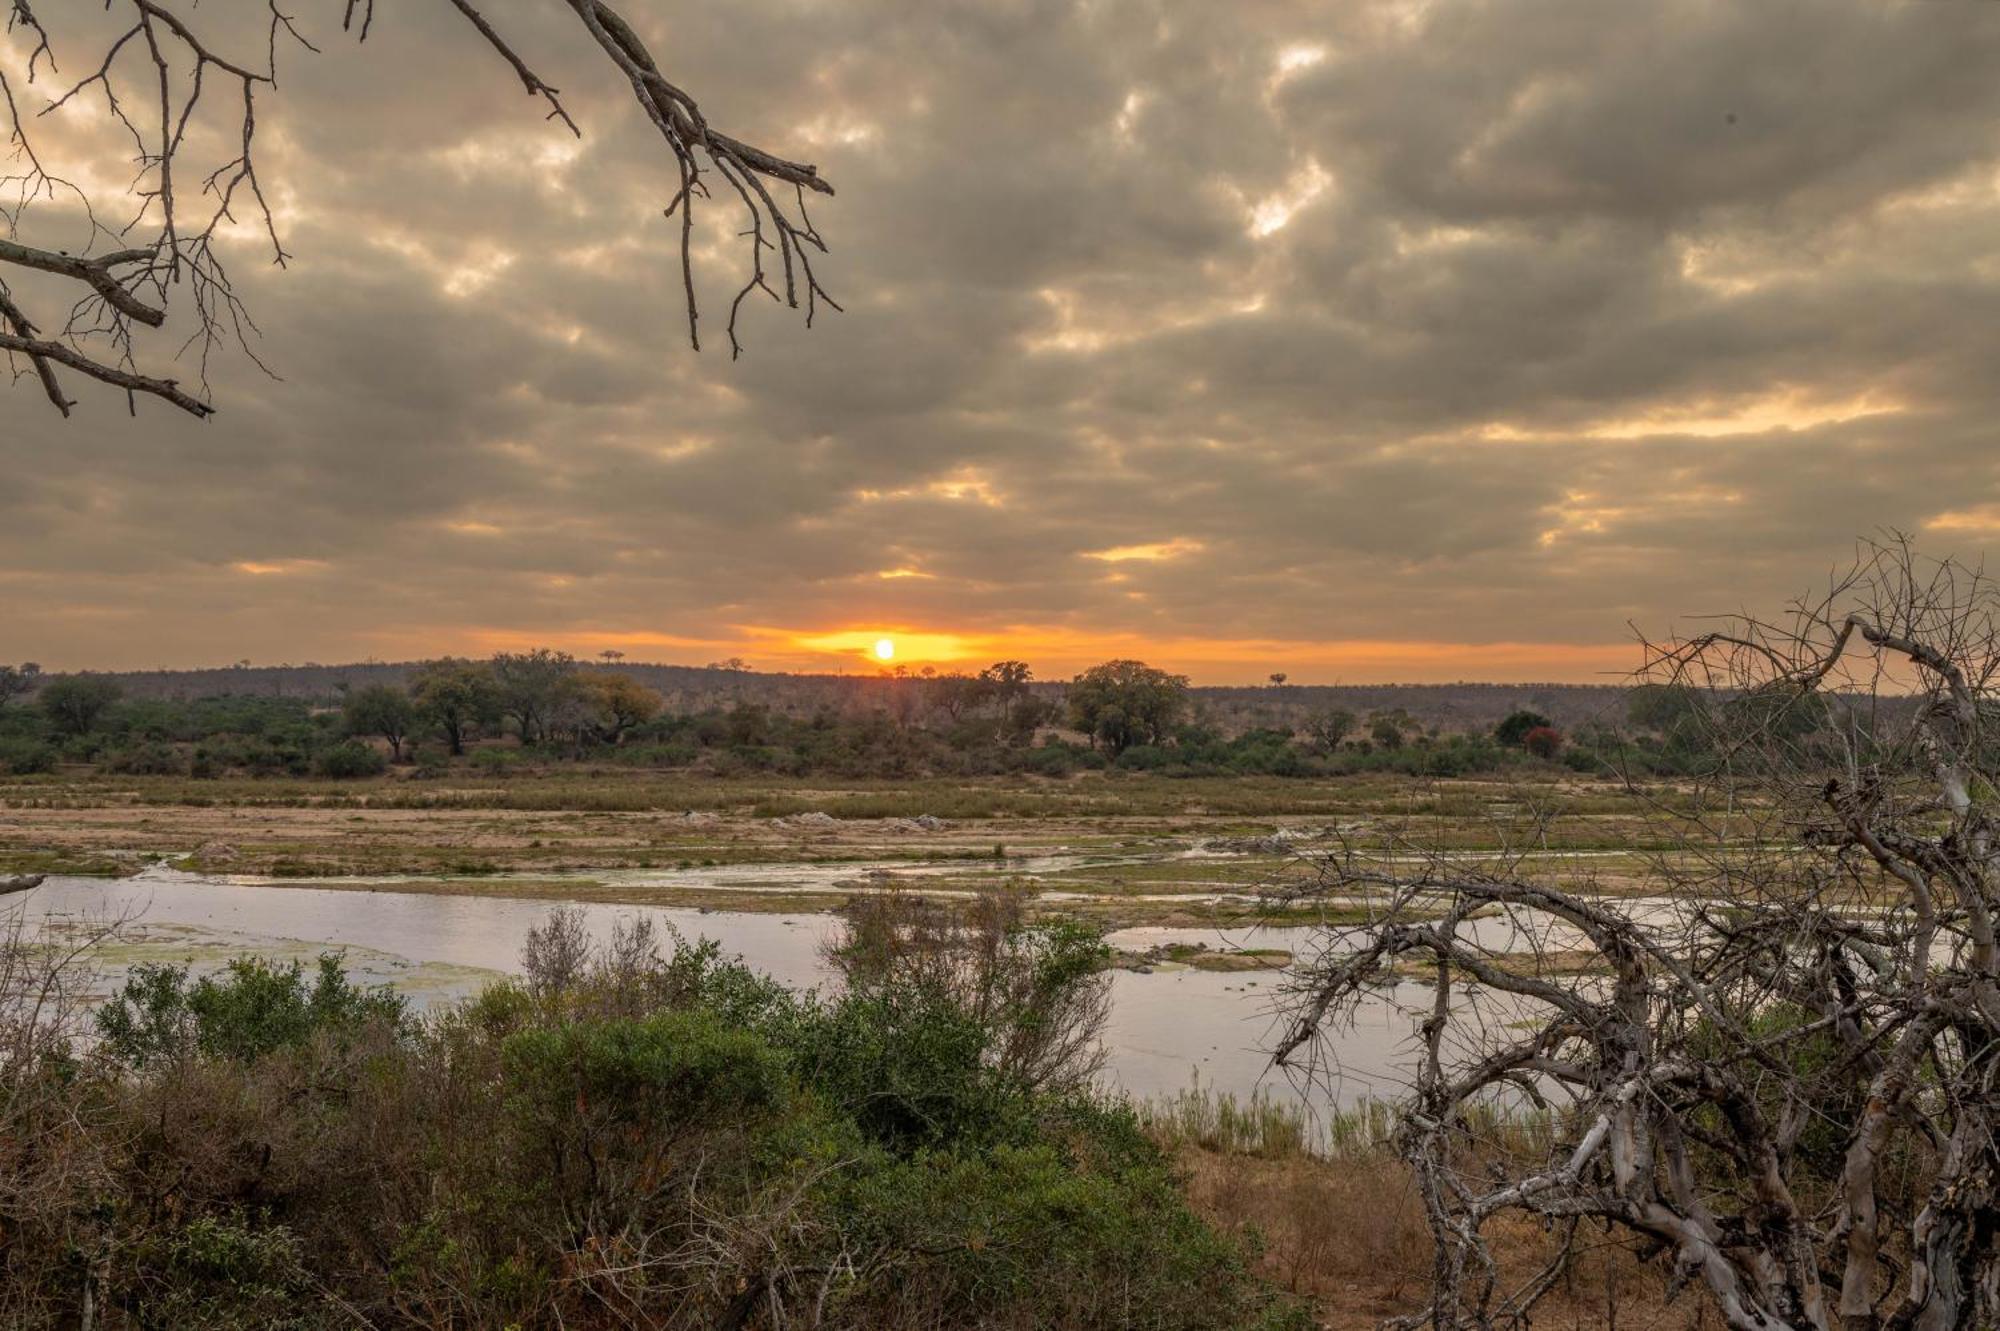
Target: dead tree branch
[(155, 77), (1781, 1070)]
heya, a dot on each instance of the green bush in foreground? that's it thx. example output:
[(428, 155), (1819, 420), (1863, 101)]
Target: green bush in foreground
[(632, 1137)]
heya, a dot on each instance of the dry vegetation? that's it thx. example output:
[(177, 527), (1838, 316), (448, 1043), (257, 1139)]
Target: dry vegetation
[(1121, 848), (1336, 1218)]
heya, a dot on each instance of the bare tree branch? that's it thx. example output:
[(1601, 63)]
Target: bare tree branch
[(1779, 1072), (153, 77)]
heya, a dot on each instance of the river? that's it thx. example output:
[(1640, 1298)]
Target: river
[(1167, 1029)]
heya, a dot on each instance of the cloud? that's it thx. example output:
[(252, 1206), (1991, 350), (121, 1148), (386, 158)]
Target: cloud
[(1468, 330)]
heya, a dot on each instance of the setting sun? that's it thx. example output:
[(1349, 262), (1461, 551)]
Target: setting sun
[(885, 650)]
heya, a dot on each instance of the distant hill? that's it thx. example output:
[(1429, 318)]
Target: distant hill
[(1448, 707)]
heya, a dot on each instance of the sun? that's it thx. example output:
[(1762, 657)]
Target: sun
[(885, 650)]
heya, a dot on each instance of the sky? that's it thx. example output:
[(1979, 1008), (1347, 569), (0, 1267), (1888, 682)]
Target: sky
[(1364, 341)]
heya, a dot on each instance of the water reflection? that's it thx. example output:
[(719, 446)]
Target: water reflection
[(1166, 1028)]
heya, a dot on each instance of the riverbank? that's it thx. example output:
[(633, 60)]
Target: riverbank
[(1120, 850)]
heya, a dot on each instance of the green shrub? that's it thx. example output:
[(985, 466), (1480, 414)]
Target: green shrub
[(26, 757), (494, 761), (673, 1068), (251, 1009), (669, 1140), (349, 759), (222, 1273), (152, 758)]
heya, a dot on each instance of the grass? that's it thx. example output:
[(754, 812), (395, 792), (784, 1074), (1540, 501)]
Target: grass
[(1119, 836), (1337, 1218)]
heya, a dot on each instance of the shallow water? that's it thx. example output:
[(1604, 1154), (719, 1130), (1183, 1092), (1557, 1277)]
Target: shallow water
[(1166, 1030)]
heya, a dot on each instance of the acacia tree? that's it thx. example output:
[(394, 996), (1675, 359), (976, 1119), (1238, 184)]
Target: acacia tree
[(75, 703), (174, 79), (455, 696), (381, 710), (531, 689), (15, 681), (616, 703), (1122, 703), (1328, 727), (1781, 1080), (1007, 682)]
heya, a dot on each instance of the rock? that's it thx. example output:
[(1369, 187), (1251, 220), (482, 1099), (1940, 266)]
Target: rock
[(20, 882), (815, 818), (215, 852), (923, 822)]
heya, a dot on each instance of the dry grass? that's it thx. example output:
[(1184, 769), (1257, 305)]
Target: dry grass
[(1338, 1220)]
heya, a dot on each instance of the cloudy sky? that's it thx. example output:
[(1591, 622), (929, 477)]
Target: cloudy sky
[(1365, 341)]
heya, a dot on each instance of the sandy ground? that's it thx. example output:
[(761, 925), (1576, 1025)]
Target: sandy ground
[(1127, 851)]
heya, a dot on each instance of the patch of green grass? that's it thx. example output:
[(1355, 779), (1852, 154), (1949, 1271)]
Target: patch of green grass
[(69, 863)]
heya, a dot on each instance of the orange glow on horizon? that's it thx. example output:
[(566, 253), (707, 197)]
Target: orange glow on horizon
[(1055, 651)]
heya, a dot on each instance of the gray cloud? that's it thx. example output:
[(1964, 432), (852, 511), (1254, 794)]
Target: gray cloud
[(1450, 323)]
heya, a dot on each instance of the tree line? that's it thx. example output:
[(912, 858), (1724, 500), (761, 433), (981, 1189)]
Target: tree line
[(542, 705)]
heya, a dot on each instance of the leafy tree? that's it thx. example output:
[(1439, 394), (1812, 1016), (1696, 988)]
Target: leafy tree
[(530, 686), (1122, 703), (18, 680), (1009, 682), (381, 710), (1326, 728), (1514, 728), (75, 703), (617, 703), (454, 696), (1386, 730), (1545, 742), (956, 694)]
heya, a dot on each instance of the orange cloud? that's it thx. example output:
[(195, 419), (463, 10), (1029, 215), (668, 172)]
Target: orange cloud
[(1151, 553), (278, 568)]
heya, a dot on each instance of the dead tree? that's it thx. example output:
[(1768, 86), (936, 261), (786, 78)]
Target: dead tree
[(172, 79), (1777, 1076)]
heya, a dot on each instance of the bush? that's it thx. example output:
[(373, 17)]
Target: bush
[(1545, 742), (493, 761), (1515, 727), (250, 1010), (350, 759), (663, 1131), (224, 1273), (26, 757), (670, 1069), (153, 758)]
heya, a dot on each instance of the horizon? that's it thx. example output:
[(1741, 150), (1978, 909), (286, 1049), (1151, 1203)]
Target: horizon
[(874, 671)]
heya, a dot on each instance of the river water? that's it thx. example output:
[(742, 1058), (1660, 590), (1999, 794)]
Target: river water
[(1167, 1029)]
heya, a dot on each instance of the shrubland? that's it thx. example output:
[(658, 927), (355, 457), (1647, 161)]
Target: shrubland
[(638, 1133)]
